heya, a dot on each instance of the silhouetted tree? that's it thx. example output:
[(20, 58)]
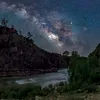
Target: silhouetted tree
[(66, 53), (20, 32), (4, 22), (29, 35), (12, 26), (75, 53)]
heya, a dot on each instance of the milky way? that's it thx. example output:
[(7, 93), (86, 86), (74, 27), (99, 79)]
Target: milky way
[(55, 25)]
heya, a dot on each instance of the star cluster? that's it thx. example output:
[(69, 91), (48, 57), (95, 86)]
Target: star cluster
[(57, 26)]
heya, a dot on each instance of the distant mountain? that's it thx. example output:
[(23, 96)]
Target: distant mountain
[(19, 55)]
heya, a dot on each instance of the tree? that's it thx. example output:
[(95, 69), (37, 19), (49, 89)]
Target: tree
[(29, 35), (79, 72), (66, 53), (75, 54), (12, 26), (20, 32), (4, 22)]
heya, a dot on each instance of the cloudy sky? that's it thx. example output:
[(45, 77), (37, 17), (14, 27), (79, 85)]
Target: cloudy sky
[(56, 25)]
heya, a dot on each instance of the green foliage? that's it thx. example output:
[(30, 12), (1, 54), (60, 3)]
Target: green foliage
[(84, 70), (63, 88), (79, 72), (19, 91), (75, 54), (93, 61), (23, 92), (91, 89), (88, 88)]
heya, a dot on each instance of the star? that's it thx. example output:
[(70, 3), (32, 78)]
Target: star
[(85, 28), (71, 22)]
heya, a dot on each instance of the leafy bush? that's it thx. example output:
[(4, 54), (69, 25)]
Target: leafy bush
[(82, 70), (79, 71)]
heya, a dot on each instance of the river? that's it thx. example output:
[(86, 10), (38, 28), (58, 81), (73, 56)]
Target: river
[(42, 79), (46, 79)]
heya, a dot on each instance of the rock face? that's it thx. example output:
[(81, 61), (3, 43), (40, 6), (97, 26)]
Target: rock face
[(20, 56), (96, 52)]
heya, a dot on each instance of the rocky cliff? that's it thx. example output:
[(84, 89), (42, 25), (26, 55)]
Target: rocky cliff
[(20, 56)]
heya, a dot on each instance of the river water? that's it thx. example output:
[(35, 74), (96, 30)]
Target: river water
[(46, 79)]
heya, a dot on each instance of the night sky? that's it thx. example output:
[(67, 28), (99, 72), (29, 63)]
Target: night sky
[(56, 25)]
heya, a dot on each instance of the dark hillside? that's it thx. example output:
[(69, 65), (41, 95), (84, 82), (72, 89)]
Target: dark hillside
[(20, 56)]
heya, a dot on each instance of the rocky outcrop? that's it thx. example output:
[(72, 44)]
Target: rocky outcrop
[(20, 56), (96, 52)]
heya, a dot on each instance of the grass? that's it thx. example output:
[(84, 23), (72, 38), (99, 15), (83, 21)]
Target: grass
[(75, 96), (29, 92)]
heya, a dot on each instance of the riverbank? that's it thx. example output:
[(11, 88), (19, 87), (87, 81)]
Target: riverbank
[(76, 96), (21, 73), (58, 92)]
